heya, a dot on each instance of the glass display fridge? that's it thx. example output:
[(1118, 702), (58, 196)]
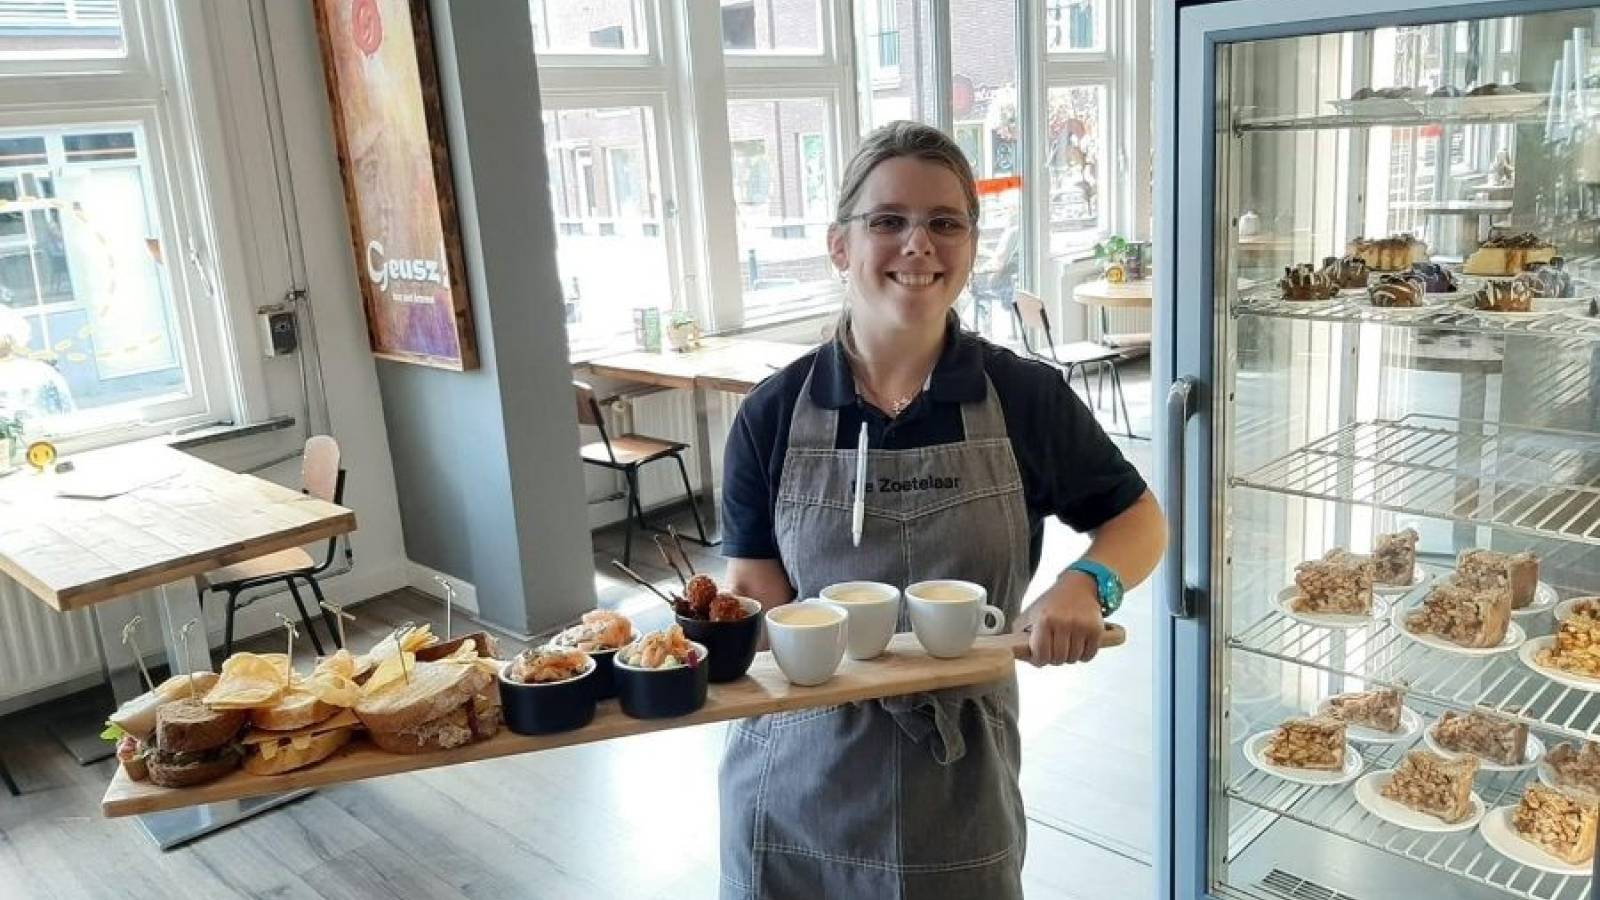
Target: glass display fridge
[(1378, 330)]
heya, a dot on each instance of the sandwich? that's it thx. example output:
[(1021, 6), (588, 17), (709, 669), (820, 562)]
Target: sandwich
[(134, 722), (432, 705), (270, 752), (195, 744)]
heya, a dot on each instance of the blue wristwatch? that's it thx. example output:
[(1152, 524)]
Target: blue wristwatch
[(1108, 585)]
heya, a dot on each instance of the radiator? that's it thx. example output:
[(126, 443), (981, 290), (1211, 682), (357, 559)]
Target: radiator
[(40, 647), (1122, 321)]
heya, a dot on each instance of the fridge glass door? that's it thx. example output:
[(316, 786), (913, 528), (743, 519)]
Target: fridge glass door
[(1406, 368)]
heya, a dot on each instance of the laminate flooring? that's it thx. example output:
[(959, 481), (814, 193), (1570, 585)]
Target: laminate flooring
[(628, 819)]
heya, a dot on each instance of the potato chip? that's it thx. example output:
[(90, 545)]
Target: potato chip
[(333, 681), (249, 680), (389, 671), (411, 640)]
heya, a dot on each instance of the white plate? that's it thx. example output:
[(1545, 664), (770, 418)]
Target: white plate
[(1530, 756), (1410, 724), (1513, 639), (1429, 307), (1542, 306), (1564, 608), (1353, 764), (1544, 599), (1369, 793), (1418, 578), (1498, 833), (1326, 620), (1530, 651)]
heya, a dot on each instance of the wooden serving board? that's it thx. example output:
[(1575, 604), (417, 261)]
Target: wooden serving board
[(904, 669)]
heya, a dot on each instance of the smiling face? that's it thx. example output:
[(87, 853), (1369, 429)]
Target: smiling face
[(908, 279)]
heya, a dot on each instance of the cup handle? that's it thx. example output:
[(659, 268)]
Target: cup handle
[(992, 619)]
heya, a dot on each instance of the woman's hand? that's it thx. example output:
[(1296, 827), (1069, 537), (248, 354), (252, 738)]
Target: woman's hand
[(1065, 622)]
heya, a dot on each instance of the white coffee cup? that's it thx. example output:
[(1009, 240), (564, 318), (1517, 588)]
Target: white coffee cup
[(808, 639), (948, 615), (874, 611)]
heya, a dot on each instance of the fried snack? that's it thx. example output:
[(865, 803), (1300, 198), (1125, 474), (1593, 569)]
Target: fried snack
[(1463, 616), (700, 592), (661, 650), (727, 608), (546, 665), (1576, 766), (249, 680), (1378, 710), (1429, 783), (599, 630), (1340, 582), (1491, 739), (1315, 743), (1577, 645), (1559, 821)]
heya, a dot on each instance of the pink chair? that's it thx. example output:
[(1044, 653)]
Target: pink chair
[(320, 477)]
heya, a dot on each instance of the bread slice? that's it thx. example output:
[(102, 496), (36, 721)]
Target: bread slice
[(299, 708), (451, 730), (276, 756), (176, 770), (138, 716), (189, 726), (429, 691)]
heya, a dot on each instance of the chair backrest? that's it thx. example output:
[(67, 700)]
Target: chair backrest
[(589, 414), (319, 468), (1030, 309)]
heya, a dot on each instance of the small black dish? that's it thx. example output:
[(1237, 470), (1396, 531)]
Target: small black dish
[(731, 645), (551, 707), (663, 693), (605, 682)]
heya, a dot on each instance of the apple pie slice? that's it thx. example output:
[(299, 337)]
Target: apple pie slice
[(1394, 557), (1559, 821), (1577, 646), (1576, 765), (1482, 570), (1492, 739), (1429, 783), (1470, 618), (1378, 710), (1307, 743), (1339, 582)]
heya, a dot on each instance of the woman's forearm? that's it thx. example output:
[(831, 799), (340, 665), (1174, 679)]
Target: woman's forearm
[(1132, 543)]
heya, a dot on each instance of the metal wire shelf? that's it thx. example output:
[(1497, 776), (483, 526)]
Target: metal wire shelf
[(1400, 119), (1539, 482), (1355, 309), (1381, 654), (1334, 809)]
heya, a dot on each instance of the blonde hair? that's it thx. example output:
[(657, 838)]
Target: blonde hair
[(892, 141)]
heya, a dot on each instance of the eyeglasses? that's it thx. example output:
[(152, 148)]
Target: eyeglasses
[(946, 228)]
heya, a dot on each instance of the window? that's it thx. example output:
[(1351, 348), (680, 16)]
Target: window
[(745, 242), (605, 193), (768, 26), (107, 324), (588, 27), (60, 29)]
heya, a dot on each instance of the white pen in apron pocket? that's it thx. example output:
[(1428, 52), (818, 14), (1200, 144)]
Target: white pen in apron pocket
[(858, 513)]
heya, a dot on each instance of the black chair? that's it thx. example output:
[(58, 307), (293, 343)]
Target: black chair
[(321, 477), (5, 776), (628, 454), (1077, 356)]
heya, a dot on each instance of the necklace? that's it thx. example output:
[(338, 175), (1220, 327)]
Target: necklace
[(894, 407)]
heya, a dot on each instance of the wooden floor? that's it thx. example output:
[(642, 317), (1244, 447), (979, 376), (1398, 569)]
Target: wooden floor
[(630, 819)]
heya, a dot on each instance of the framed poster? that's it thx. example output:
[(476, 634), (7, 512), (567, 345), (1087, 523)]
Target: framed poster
[(383, 88)]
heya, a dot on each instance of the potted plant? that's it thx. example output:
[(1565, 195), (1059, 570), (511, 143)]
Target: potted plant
[(683, 332), (1112, 254), (12, 442)]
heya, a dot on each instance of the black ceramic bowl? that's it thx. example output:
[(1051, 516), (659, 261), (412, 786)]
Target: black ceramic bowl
[(731, 645), (663, 693), (548, 708)]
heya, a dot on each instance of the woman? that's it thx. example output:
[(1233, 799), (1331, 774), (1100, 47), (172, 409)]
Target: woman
[(911, 797)]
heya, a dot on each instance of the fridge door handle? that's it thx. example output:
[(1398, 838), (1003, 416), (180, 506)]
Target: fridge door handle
[(1180, 407)]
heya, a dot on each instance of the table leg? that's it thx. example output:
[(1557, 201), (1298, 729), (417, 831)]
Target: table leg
[(179, 826), (702, 440)]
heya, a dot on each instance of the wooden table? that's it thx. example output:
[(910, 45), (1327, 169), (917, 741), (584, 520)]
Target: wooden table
[(143, 516), (1107, 296), (723, 364)]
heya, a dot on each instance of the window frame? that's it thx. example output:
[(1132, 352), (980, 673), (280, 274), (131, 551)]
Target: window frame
[(135, 59), (143, 91)]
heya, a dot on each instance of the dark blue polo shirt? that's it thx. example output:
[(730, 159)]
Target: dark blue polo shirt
[(1070, 468)]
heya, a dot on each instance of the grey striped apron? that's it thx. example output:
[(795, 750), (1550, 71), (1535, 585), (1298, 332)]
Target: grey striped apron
[(911, 797)]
